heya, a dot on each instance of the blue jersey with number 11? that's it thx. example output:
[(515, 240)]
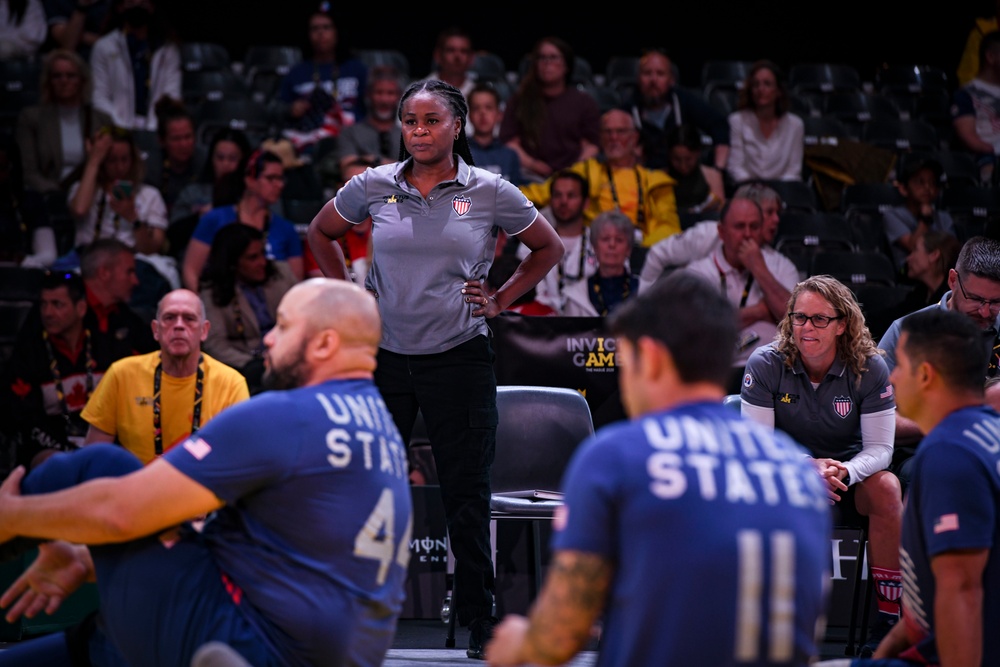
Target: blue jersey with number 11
[(718, 532)]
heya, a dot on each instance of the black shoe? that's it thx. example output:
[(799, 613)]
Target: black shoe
[(480, 634), (880, 628)]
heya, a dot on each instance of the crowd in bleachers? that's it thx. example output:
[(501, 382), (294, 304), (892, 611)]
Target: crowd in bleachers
[(133, 163), (147, 152)]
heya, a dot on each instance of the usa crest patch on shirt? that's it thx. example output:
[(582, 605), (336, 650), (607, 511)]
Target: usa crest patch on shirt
[(843, 405), (461, 204)]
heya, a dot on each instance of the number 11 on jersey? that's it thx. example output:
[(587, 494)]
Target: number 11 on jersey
[(780, 602)]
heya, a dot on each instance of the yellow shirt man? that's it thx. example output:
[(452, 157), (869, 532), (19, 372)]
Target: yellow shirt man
[(658, 217), (123, 401)]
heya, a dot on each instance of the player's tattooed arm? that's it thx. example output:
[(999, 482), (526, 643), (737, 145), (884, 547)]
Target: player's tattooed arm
[(574, 595)]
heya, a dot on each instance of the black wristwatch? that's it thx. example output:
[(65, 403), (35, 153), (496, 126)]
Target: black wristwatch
[(847, 479)]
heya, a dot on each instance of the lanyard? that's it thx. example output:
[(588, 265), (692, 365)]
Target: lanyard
[(99, 223), (722, 279), (640, 213), (563, 278), (57, 376), (199, 385), (597, 296)]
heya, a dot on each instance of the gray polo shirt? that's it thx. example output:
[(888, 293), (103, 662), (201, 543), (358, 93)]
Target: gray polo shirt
[(425, 249), (990, 343), (825, 420)]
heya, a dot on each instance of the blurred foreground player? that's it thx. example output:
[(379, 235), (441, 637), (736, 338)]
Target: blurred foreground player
[(951, 576), (303, 559), (702, 538)]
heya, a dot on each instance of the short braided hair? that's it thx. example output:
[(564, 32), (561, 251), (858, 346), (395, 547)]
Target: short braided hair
[(454, 99)]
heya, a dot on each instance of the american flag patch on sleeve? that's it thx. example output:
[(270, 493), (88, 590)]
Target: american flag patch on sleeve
[(946, 523), (197, 447)]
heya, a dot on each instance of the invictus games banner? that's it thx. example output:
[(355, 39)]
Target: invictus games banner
[(572, 352)]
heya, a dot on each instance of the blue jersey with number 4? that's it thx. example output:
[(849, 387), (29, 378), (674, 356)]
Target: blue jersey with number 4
[(718, 532), (313, 541)]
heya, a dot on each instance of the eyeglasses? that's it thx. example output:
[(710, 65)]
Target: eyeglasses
[(818, 321), (992, 304)]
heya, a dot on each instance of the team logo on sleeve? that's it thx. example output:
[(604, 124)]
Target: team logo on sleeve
[(747, 380), (843, 405), (461, 204)]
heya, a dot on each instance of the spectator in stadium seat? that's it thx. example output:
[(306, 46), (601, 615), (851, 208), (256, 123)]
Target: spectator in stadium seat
[(766, 142), (216, 185), (755, 277), (616, 181), (453, 56), (919, 183), (135, 65), (26, 235), (151, 402), (659, 104), (322, 94), (241, 292), (53, 134), (263, 181), (612, 283), (974, 112), (568, 195), (550, 123), (181, 157), (702, 238), (700, 187)]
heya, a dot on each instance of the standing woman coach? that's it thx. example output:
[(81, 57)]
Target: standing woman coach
[(435, 220)]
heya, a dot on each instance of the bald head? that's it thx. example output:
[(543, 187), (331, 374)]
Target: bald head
[(340, 305), (326, 329)]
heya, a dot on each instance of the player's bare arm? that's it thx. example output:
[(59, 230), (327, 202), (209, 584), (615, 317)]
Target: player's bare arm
[(104, 510), (574, 595), (958, 606)]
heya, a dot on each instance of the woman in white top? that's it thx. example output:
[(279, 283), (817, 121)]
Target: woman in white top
[(765, 141)]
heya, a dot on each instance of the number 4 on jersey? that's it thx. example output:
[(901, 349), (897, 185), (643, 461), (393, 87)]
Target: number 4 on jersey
[(376, 540)]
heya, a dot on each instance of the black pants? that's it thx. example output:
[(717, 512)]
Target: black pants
[(456, 392)]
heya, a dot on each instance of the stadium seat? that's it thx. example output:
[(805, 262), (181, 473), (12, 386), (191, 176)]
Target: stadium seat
[(823, 130), (797, 196), (802, 235), (385, 58), (197, 56), (488, 66), (729, 74), (823, 78), (265, 65), (901, 135), (855, 268), (200, 86)]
